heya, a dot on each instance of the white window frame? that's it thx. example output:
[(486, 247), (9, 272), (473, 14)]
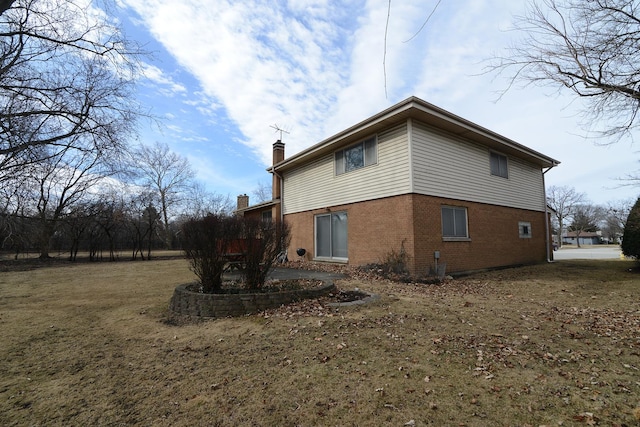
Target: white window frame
[(524, 230), (455, 236), (499, 164), (369, 148)]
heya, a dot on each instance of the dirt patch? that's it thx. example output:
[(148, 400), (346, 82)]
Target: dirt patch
[(348, 296)]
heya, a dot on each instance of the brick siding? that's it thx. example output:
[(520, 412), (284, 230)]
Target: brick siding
[(377, 227)]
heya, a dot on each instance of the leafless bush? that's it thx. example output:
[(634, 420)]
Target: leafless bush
[(265, 241)]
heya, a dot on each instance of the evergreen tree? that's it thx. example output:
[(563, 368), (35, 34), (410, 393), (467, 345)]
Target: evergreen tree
[(631, 237)]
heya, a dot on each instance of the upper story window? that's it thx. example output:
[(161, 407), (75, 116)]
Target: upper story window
[(499, 165), (357, 156)]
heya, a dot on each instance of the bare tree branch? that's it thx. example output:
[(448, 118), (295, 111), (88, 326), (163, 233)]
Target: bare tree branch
[(564, 201), (168, 175), (591, 48), (64, 72)]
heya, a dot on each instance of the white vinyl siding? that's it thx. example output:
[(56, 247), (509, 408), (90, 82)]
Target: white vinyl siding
[(315, 185), (440, 164), (447, 166)]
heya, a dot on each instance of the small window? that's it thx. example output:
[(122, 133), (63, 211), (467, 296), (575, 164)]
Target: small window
[(357, 156), (524, 230), (266, 216), (499, 165), (454, 222)]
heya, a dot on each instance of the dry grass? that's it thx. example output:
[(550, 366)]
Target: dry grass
[(552, 344)]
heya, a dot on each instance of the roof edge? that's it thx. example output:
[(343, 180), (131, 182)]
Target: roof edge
[(416, 104)]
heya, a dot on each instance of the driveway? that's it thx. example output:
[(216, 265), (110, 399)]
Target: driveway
[(588, 252)]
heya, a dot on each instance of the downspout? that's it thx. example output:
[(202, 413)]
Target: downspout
[(281, 194), (547, 226), (286, 250)]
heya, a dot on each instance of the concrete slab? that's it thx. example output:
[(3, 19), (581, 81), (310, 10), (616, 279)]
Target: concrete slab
[(280, 273)]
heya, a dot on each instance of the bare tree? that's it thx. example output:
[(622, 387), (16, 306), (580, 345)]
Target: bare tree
[(564, 201), (140, 229), (66, 76), (202, 202), (591, 48), (76, 223), (615, 219), (168, 175), (15, 232), (58, 184), (586, 218), (262, 192)]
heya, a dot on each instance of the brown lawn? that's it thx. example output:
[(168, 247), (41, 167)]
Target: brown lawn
[(92, 344)]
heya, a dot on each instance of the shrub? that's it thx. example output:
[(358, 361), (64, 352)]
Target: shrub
[(395, 262), (265, 240), (208, 241), (205, 243), (631, 237)]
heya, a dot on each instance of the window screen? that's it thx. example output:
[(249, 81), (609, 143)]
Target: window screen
[(454, 222), (499, 165)]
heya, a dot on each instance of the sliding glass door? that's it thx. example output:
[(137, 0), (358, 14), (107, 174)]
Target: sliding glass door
[(331, 235)]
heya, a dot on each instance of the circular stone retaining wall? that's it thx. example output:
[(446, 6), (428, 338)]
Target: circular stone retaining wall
[(191, 303)]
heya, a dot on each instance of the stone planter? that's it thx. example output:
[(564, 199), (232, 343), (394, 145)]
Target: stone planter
[(189, 303)]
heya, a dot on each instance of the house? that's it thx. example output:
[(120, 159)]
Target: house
[(585, 238), (416, 178)]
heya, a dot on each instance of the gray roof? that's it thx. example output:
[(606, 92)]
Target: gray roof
[(425, 112)]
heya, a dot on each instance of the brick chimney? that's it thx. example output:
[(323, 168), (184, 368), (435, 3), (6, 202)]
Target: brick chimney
[(278, 156), (243, 201)]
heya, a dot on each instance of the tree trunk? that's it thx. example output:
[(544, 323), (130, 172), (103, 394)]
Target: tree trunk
[(165, 219), (44, 238), (44, 246), (560, 230)]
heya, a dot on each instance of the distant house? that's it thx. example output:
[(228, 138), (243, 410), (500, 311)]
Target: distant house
[(585, 238), (416, 177)]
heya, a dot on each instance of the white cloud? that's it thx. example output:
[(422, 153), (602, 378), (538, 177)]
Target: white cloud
[(157, 76), (263, 63), (316, 67)]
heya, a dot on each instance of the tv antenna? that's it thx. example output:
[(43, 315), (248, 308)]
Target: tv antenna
[(279, 129)]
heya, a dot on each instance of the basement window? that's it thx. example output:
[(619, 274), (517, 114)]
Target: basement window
[(454, 223), (524, 230)]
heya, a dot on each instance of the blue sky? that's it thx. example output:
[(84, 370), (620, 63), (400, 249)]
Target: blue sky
[(224, 72)]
